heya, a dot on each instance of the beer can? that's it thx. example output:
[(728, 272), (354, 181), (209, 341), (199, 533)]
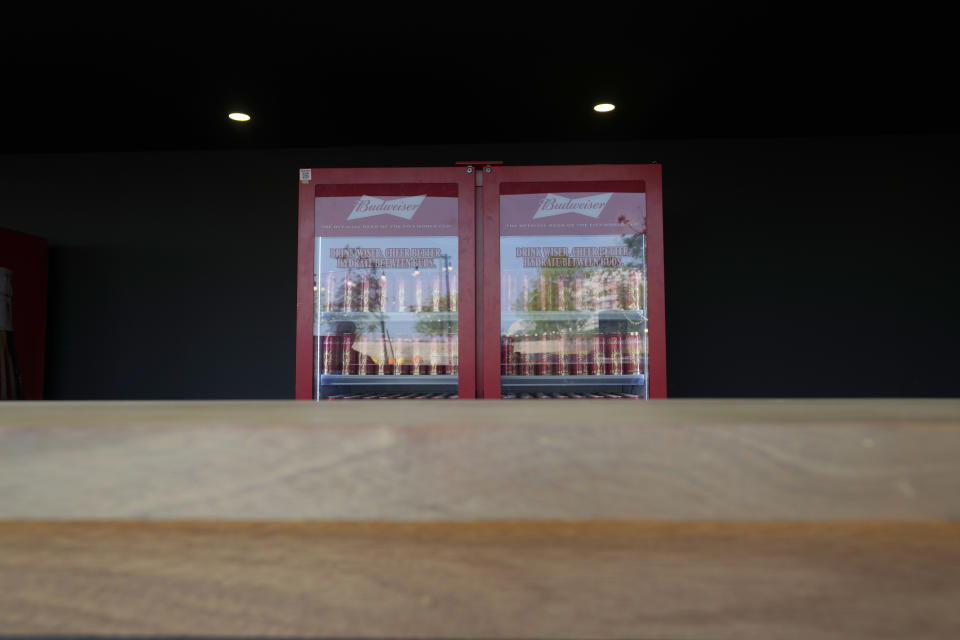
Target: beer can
[(636, 288), (506, 355), (524, 359), (597, 357), (453, 355), (543, 355), (454, 293), (615, 357), (331, 355), (561, 295), (365, 293), (382, 297), (348, 287), (360, 342), (579, 355), (602, 290), (544, 293), (630, 291), (434, 368), (617, 289), (578, 294), (435, 293), (399, 356), (416, 359), (525, 293), (554, 354), (632, 354), (349, 367), (382, 356), (331, 292), (368, 350), (401, 292), (565, 356), (418, 295)]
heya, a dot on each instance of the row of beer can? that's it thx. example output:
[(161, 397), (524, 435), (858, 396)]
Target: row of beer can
[(562, 354), (382, 355), (618, 289), (408, 292)]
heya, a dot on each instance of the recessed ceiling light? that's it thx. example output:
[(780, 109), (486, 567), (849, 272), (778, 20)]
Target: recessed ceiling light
[(239, 117), (604, 107)]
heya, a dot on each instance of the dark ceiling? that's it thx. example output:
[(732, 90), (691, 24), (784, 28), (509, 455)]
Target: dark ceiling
[(464, 75)]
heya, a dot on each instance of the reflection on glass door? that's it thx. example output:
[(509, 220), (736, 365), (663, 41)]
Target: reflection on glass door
[(573, 306), (386, 292)]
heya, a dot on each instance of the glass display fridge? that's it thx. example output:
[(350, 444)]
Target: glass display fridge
[(481, 281)]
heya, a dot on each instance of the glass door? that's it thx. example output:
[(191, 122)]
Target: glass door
[(575, 298), (504, 282), (392, 284)]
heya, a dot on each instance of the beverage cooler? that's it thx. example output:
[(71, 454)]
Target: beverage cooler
[(481, 281)]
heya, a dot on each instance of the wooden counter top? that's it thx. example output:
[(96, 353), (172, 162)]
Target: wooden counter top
[(468, 519)]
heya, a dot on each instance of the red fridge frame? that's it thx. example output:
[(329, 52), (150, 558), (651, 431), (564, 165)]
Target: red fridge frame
[(27, 256), (466, 314), (479, 260)]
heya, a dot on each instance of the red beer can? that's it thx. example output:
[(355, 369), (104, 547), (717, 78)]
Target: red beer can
[(365, 293), (360, 342), (615, 354), (524, 357), (597, 355), (398, 359), (578, 294), (565, 356), (506, 355), (418, 295), (634, 297), (579, 356), (435, 293), (544, 293), (401, 280), (382, 293), (382, 364), (416, 359), (538, 354), (525, 294), (435, 367), (331, 355), (453, 356), (454, 303), (349, 365), (633, 353), (348, 286), (331, 292), (561, 295)]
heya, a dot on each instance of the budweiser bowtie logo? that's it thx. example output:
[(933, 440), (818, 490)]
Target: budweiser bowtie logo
[(554, 205), (401, 207)]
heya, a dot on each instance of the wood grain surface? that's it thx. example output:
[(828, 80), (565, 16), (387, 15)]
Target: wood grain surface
[(482, 580), (477, 460), (551, 520)]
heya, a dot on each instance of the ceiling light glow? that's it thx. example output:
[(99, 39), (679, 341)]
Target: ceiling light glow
[(604, 107), (239, 117)]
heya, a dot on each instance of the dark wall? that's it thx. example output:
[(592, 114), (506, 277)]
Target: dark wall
[(793, 267)]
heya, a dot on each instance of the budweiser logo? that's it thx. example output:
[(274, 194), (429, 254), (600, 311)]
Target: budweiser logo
[(368, 206), (554, 205)]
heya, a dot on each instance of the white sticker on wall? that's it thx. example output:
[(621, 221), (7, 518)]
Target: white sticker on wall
[(306, 175)]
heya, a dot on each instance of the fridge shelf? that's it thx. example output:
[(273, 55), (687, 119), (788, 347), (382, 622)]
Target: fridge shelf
[(387, 316), (628, 315), (421, 380), (571, 381)]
